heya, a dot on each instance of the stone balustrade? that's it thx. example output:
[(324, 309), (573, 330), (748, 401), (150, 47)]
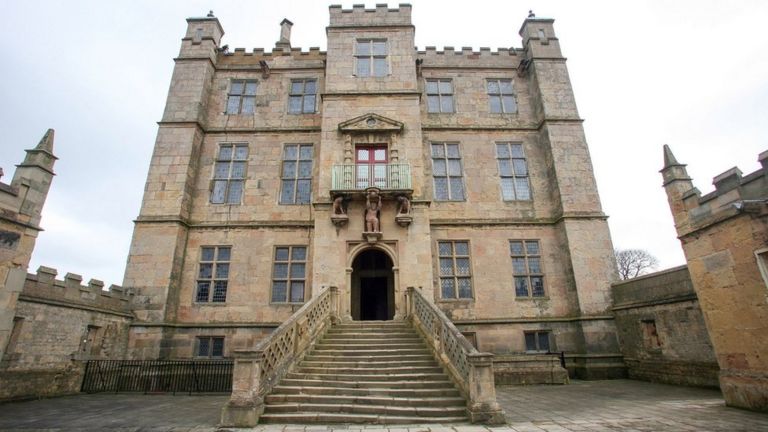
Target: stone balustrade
[(256, 371), (469, 368)]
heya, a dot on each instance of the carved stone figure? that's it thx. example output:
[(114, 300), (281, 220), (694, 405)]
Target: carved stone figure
[(405, 205), (372, 208), (338, 205)]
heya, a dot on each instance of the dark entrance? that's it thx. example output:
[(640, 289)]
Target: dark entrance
[(373, 293)]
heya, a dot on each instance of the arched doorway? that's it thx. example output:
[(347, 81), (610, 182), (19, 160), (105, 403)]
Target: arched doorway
[(373, 286)]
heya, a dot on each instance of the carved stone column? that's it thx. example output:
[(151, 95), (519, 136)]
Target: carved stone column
[(348, 150)]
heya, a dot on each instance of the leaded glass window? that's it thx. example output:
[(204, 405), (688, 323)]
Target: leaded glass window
[(501, 96), (229, 174), (513, 170), (289, 274), (210, 346), (526, 267), (213, 274), (303, 96), (454, 270), (447, 172), (241, 98), (296, 174), (439, 96), (537, 341), (371, 58)]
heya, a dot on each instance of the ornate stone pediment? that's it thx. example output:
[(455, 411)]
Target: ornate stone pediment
[(370, 123)]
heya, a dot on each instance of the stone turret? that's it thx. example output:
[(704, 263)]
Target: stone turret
[(21, 206), (157, 248), (678, 186)]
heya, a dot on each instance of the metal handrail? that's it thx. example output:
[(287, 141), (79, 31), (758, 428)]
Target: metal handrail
[(351, 177)]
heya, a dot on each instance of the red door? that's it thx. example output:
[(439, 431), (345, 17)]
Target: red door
[(371, 162)]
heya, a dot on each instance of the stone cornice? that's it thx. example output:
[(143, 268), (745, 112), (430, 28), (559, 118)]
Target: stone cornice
[(232, 224), (405, 93), (208, 325), (663, 301), (20, 223), (355, 27), (72, 305), (514, 221), (518, 320)]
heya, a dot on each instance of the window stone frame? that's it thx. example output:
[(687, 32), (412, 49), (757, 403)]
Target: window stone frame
[(214, 279), (289, 279)]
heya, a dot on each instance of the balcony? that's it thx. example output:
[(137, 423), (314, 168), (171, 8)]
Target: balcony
[(392, 178)]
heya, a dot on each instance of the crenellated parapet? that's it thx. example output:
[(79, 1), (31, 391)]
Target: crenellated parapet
[(380, 16), (734, 193), (71, 291), (469, 57), (277, 58)]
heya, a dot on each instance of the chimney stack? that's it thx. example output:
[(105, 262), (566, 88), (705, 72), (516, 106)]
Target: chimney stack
[(285, 35)]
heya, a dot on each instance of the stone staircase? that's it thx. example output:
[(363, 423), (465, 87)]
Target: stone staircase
[(376, 372)]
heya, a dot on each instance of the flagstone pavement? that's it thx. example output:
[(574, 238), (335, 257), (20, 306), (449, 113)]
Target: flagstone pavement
[(616, 405)]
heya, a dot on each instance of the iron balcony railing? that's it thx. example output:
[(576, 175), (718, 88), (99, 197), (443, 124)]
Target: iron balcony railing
[(395, 176)]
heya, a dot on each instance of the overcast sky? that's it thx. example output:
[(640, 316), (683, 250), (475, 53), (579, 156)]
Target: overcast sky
[(692, 74)]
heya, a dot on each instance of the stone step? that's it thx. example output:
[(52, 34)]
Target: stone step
[(364, 358), (369, 339), (373, 323), (385, 392), (412, 411), (367, 364), (443, 383), (358, 329), (333, 418), (381, 345), (385, 371), (367, 372), (371, 352), (355, 377), (431, 402)]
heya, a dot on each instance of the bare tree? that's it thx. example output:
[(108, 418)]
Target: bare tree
[(634, 262)]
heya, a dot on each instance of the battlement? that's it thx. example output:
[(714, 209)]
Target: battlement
[(731, 185), (431, 51), (734, 194), (381, 16), (449, 57), (44, 287), (277, 52)]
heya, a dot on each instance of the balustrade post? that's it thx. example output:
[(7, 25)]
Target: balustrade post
[(483, 407), (335, 307), (245, 405), (301, 336), (409, 302)]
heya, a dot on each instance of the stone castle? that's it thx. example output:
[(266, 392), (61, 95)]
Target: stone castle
[(487, 148), (293, 192)]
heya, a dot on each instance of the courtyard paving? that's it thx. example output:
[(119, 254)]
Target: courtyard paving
[(618, 405)]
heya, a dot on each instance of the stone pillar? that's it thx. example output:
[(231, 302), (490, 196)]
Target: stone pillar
[(483, 407), (245, 405)]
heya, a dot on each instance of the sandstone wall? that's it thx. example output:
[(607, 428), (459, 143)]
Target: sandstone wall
[(680, 352), (58, 325)]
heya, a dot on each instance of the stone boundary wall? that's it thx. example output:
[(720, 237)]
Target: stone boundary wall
[(528, 369), (666, 285), (58, 325), (661, 330)]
